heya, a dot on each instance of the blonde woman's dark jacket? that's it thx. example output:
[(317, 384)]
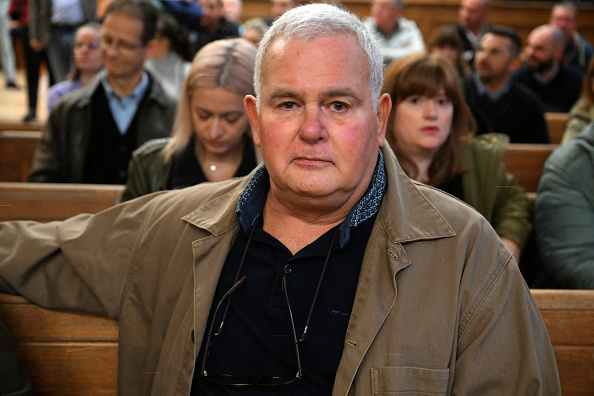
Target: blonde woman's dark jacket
[(149, 171), (492, 191), (440, 308)]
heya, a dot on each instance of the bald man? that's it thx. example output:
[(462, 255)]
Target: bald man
[(555, 83)]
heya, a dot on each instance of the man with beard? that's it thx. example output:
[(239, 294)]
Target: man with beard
[(557, 85), (497, 102)]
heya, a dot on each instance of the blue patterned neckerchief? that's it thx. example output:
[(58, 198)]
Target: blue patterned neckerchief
[(252, 200)]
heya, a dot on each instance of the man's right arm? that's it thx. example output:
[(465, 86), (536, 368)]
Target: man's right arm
[(83, 263)]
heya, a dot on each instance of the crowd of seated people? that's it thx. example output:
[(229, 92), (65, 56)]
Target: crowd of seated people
[(103, 123)]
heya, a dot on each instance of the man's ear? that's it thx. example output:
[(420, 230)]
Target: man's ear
[(251, 110), (384, 106)]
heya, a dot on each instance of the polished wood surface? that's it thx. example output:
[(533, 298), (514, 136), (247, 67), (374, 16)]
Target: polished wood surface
[(526, 162), (53, 201)]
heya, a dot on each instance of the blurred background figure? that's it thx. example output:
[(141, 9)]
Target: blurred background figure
[(167, 62), (556, 84), (498, 103), (212, 138), (396, 36), (7, 57), (52, 26), (582, 113), (254, 30), (446, 42), (91, 133), (232, 11), (87, 63), (279, 7), (213, 25), (577, 51), (473, 23), (431, 130), (564, 215), (19, 13)]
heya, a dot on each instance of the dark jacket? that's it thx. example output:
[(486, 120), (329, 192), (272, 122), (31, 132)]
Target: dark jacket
[(518, 113), (150, 172), (62, 151), (557, 95)]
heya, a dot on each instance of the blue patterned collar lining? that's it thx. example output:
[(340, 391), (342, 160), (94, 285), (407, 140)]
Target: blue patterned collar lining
[(253, 197)]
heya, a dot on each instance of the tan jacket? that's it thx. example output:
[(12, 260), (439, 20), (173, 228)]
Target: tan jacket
[(441, 307)]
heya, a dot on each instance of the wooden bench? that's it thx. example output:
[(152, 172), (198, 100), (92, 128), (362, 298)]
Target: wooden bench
[(48, 201), (14, 125), (526, 162), (556, 124), (569, 317), (16, 154), (71, 354), (64, 353)]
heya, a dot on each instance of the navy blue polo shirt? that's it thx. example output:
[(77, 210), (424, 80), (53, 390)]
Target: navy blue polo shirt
[(257, 340)]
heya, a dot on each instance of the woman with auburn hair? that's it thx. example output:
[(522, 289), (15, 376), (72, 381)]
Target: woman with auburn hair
[(212, 139), (582, 113), (431, 130)]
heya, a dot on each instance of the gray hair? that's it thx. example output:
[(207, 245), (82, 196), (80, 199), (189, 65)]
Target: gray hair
[(310, 21)]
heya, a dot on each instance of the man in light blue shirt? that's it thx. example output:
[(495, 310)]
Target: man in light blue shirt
[(91, 133)]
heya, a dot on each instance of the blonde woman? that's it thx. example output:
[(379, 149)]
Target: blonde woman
[(212, 138)]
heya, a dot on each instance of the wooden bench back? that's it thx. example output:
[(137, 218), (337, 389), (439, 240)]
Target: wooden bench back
[(16, 154), (48, 201), (556, 124), (16, 125), (526, 162), (64, 353), (569, 317), (70, 354)]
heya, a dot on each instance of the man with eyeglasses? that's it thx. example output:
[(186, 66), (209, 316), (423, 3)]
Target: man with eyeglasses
[(498, 103), (91, 133), (325, 271)]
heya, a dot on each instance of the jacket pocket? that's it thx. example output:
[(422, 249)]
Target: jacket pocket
[(409, 381)]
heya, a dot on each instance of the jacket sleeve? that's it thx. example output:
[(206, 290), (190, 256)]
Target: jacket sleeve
[(139, 179), (564, 219), (46, 167), (504, 324), (511, 211), (83, 263), (575, 123)]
